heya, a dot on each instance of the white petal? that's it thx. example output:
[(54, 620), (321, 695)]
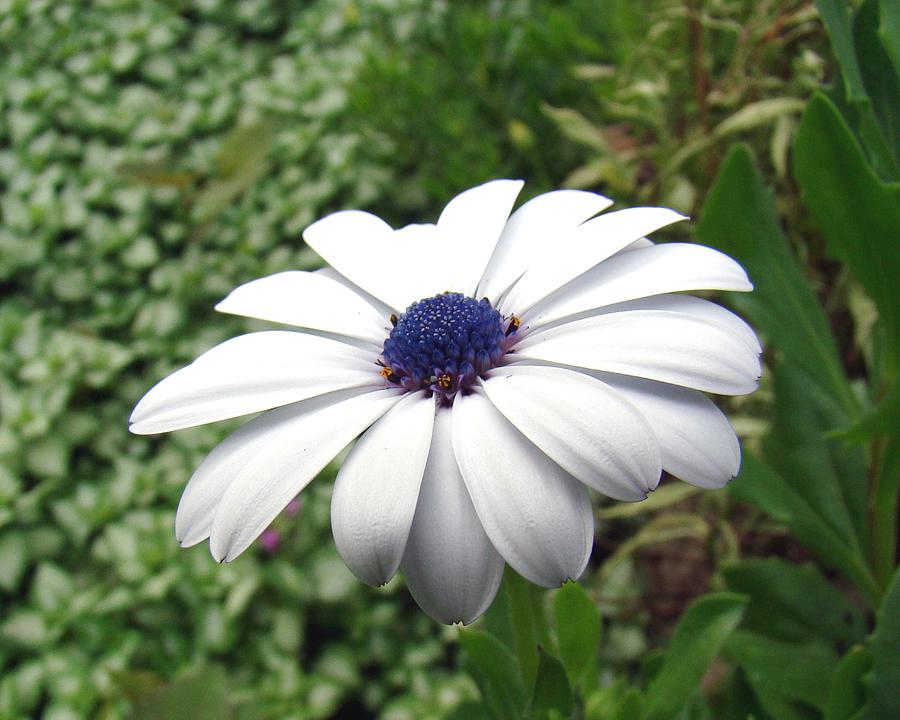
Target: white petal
[(273, 462), (451, 568), (471, 224), (382, 308), (698, 444), (361, 247), (377, 487), (308, 300), (672, 347), (581, 424), (536, 515), (250, 373), (530, 230), (229, 458), (684, 304), (673, 267), (592, 243)]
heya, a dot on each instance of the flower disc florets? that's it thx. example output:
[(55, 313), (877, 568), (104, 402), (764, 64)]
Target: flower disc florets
[(443, 343)]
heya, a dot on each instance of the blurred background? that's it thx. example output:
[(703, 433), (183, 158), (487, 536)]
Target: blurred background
[(156, 154)]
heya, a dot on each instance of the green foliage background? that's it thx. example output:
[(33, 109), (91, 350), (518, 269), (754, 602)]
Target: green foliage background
[(154, 155)]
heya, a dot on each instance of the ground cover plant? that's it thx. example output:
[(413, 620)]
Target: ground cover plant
[(154, 155)]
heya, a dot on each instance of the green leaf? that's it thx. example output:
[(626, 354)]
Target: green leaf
[(699, 635), (837, 18), (858, 214), (469, 710), (760, 485), (13, 560), (883, 419), (786, 677), (552, 691), (739, 218), (794, 602), (615, 702), (495, 670), (889, 31), (578, 630), (883, 87), (846, 691), (827, 474), (835, 15), (883, 681), (198, 697)]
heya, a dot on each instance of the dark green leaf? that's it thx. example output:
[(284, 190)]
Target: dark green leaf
[(886, 494), (578, 630), (889, 30), (197, 697), (835, 15), (496, 672), (760, 485), (883, 681), (882, 87), (883, 419), (470, 710), (828, 474), (699, 635), (857, 213), (552, 691), (787, 678), (739, 218), (837, 18), (846, 692), (794, 602)]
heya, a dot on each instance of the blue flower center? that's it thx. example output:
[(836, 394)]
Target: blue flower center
[(443, 343)]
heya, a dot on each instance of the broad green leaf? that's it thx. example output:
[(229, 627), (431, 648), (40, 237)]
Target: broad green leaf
[(846, 692), (883, 87), (794, 602), (787, 678), (829, 475), (857, 213), (836, 16), (882, 420), (838, 21), (696, 641), (739, 218), (552, 691), (578, 630), (198, 697), (889, 30), (495, 671), (883, 681), (762, 486)]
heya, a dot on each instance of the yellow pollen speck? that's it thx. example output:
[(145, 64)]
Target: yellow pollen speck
[(445, 381)]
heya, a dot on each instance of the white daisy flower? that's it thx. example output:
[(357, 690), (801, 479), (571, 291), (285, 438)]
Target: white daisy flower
[(497, 366)]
